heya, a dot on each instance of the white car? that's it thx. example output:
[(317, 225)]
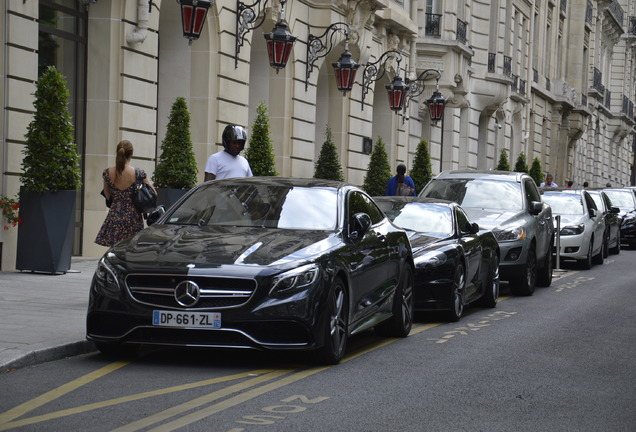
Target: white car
[(582, 226)]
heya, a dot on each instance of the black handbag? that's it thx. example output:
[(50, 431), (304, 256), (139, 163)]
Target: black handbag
[(109, 202), (143, 196)]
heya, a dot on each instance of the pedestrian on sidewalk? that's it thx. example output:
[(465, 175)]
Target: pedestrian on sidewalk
[(400, 184)]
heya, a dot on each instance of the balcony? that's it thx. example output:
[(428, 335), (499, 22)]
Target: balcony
[(628, 107), (584, 100), (597, 81), (631, 27), (507, 66), (535, 75), (608, 99), (564, 6), (433, 24), (461, 31), (616, 11), (492, 57), (589, 13)]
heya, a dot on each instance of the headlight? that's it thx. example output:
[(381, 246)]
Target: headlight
[(510, 234), (295, 279), (430, 259), (106, 276), (572, 230)]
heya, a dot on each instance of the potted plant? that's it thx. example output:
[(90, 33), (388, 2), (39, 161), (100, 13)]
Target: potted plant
[(176, 170), (260, 153), (50, 179), (328, 166), (422, 170), (378, 172)]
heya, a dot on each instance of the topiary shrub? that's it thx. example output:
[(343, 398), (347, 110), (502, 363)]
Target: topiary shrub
[(378, 172), (422, 170), (328, 166), (51, 162), (521, 165), (503, 164), (177, 166), (260, 153), (535, 171)]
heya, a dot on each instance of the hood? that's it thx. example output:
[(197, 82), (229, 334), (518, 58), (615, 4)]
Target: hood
[(489, 219), (571, 219), (174, 247), (420, 240)]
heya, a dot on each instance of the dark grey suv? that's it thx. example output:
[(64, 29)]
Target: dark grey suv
[(509, 204)]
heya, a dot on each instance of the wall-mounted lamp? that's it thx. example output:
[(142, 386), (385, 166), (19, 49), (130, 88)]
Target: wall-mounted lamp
[(344, 69), (86, 3), (416, 88), (279, 41), (396, 90), (193, 14)]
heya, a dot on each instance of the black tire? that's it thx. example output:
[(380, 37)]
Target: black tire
[(606, 246), (525, 284), (116, 349), (616, 249), (491, 290), (544, 273), (457, 295), (586, 263), (401, 322), (600, 256), (336, 327)]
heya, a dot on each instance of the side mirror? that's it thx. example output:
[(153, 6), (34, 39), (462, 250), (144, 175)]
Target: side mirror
[(360, 224), (615, 210), (592, 213), (155, 215), (535, 207), (474, 228)]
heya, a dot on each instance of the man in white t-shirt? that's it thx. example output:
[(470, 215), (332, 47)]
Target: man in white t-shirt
[(228, 163)]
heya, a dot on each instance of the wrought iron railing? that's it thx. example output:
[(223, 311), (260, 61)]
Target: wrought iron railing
[(564, 5), (535, 75), (597, 81), (507, 66), (515, 83), (632, 26), (628, 107), (492, 57), (522, 87), (433, 24), (461, 31), (616, 11), (584, 100), (548, 84), (608, 99)]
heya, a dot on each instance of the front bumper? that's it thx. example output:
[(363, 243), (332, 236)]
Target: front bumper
[(514, 255), (573, 247)]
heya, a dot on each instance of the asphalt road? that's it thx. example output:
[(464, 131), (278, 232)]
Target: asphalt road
[(561, 360)]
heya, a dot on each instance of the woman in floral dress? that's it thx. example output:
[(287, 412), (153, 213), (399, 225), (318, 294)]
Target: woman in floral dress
[(123, 220)]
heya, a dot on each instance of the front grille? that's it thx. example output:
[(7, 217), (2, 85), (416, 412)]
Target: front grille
[(216, 292)]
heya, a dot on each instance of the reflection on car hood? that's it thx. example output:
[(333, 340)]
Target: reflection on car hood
[(172, 247), (571, 220), (421, 240), (489, 219)]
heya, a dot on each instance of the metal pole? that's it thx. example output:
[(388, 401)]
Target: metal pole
[(558, 241)]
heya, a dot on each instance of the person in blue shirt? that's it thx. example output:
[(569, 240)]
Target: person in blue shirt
[(400, 184)]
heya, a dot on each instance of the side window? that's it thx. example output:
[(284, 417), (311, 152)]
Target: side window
[(532, 193), (360, 203), (462, 221), (590, 202)]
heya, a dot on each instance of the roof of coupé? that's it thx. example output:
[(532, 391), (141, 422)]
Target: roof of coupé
[(285, 181)]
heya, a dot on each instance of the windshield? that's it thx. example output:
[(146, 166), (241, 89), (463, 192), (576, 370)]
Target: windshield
[(477, 193), (254, 205), (431, 219), (563, 204), (622, 199)]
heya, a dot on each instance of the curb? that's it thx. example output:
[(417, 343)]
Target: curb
[(49, 354)]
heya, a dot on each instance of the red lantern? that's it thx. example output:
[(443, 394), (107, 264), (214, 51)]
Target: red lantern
[(436, 105), (279, 45), (397, 92), (345, 72), (193, 14)]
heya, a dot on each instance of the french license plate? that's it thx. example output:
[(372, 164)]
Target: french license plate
[(186, 319)]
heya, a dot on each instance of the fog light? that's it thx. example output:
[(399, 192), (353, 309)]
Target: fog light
[(513, 254)]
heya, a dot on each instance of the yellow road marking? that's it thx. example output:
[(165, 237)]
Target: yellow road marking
[(197, 402), (47, 397), (125, 399)]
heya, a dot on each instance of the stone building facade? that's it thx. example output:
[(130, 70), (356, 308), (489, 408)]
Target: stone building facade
[(552, 79)]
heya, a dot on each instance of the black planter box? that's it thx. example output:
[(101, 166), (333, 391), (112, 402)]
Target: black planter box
[(167, 197), (45, 237)]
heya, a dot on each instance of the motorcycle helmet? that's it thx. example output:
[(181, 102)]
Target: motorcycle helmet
[(233, 133)]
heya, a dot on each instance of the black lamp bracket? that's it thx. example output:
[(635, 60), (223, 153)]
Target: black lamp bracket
[(247, 19), (376, 70), (416, 87), (317, 49)]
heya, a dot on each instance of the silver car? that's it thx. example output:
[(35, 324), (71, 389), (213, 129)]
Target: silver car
[(509, 204), (582, 226)]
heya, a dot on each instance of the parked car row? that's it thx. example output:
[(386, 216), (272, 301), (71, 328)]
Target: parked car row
[(276, 263)]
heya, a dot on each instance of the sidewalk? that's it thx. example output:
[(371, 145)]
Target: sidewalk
[(42, 316)]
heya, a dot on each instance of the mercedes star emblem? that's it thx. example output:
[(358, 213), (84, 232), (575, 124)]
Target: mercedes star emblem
[(187, 293)]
